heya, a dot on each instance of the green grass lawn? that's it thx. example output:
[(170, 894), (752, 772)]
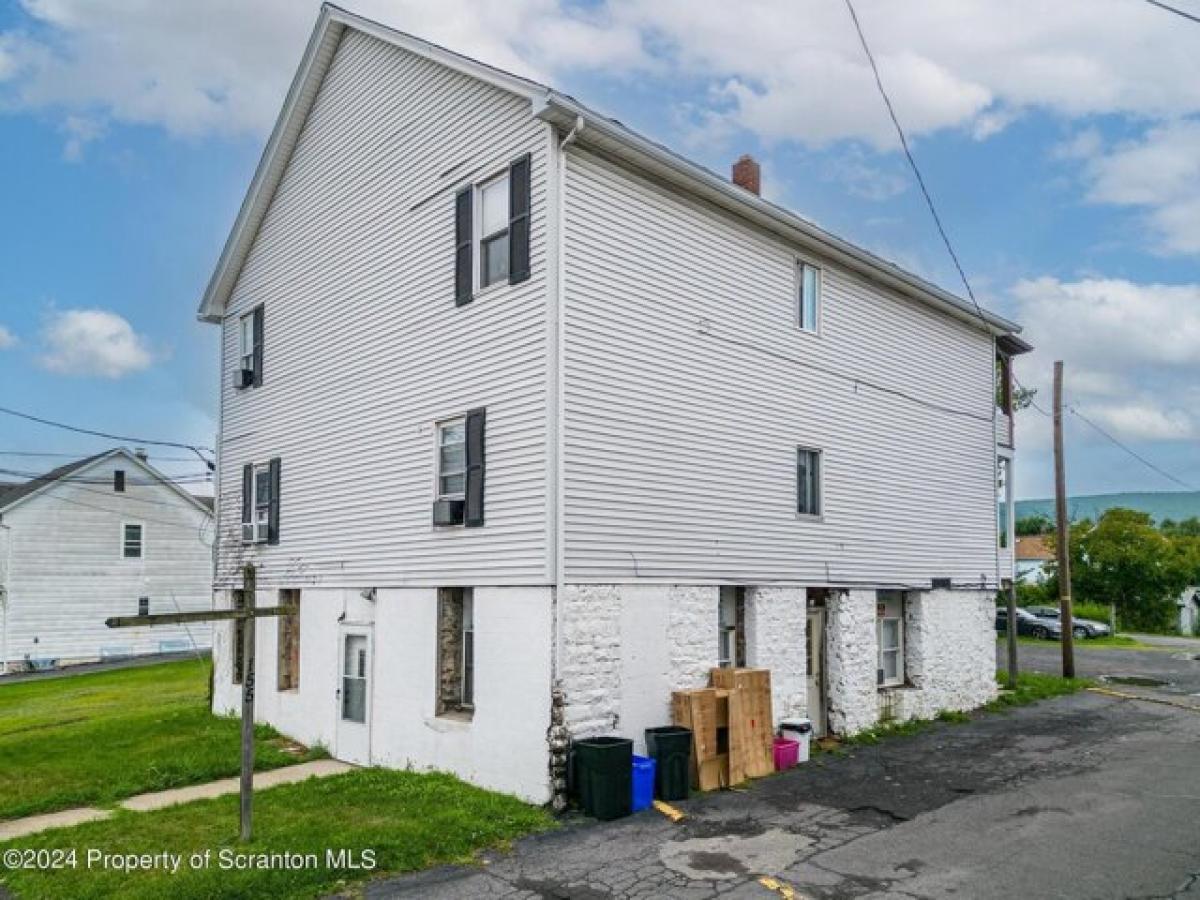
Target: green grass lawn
[(1117, 641), (97, 738), (407, 820)]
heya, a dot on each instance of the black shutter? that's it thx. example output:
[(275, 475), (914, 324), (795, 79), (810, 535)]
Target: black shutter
[(258, 346), (247, 500), (273, 512), (518, 220), (462, 247), (473, 508)]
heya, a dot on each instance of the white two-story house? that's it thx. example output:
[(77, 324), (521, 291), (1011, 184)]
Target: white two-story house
[(535, 421)]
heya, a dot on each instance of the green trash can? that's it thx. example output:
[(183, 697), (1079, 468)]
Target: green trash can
[(604, 776), (671, 749)]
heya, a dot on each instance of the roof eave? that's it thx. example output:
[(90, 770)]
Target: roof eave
[(605, 134)]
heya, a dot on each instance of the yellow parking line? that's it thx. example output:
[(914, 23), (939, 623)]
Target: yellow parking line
[(668, 810), (782, 888)]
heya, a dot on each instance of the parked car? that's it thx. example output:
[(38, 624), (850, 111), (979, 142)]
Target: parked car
[(1080, 628), (1028, 624)]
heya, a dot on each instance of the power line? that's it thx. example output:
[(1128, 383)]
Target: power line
[(1163, 472), (937, 220), (112, 437), (1075, 412), (1178, 12), (852, 379), (52, 453), (200, 531), (196, 478)]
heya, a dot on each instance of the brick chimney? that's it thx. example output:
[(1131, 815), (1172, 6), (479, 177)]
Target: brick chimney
[(747, 174)]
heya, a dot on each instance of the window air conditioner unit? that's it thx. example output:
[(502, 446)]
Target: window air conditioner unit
[(254, 532), (245, 378), (447, 512)]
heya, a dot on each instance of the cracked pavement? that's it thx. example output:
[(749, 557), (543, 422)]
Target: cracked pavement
[(1080, 797)]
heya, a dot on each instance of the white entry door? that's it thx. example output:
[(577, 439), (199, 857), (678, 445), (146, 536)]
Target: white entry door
[(354, 695), (815, 654)]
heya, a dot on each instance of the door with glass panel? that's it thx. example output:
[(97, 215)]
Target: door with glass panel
[(354, 695)]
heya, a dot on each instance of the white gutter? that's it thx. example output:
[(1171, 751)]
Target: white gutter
[(607, 135), (4, 598)]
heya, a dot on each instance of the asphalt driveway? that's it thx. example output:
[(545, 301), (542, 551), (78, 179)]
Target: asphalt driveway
[(1085, 796), (1174, 660)]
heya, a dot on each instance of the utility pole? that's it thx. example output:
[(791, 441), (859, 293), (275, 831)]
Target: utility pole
[(244, 619), (1062, 532), (1012, 633), (249, 583)]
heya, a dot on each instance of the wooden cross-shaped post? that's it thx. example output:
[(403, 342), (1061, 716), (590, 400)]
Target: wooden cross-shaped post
[(245, 618)]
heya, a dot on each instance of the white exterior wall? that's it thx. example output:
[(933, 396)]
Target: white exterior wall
[(625, 648), (503, 746), (949, 654), (776, 626), (851, 661), (365, 349), (688, 386), (68, 573)]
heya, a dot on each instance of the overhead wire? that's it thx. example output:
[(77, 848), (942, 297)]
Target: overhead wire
[(195, 448), (1173, 9)]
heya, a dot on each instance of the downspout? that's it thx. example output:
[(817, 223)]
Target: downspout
[(4, 598)]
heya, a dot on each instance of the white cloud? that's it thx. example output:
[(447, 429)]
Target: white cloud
[(788, 70), (1131, 353), (1159, 173), (862, 179), (93, 342), (7, 338), (80, 132)]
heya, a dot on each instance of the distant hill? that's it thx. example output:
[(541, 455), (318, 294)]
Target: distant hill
[(1160, 505)]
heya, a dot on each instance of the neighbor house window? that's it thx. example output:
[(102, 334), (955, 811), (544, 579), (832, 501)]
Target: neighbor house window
[(288, 662), (456, 651), (119, 480), (131, 541), (238, 641), (493, 231), (731, 627), (452, 459), (808, 295), (143, 606), (890, 632), (808, 481), (250, 349)]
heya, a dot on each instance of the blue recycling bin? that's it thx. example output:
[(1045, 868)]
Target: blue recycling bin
[(643, 782)]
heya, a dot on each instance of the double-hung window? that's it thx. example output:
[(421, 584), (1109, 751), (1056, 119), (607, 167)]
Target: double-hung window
[(731, 623), (808, 481), (890, 634), (260, 502), (493, 231), (131, 541), (808, 295), (250, 349), (452, 459)]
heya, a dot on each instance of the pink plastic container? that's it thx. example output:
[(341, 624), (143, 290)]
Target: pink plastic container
[(787, 753)]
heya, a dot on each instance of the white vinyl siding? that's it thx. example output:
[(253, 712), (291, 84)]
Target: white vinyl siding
[(356, 252), (67, 570), (687, 386)]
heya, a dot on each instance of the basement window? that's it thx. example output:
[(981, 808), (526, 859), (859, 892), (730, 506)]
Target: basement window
[(238, 640), (731, 627), (889, 628), (288, 660), (456, 652)]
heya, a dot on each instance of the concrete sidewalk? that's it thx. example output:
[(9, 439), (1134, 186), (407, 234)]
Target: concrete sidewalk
[(320, 768)]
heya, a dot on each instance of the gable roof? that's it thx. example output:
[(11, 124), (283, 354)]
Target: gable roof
[(1034, 546), (16, 493), (593, 130)]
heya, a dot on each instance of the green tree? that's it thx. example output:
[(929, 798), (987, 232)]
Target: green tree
[(1123, 559), (1035, 524)]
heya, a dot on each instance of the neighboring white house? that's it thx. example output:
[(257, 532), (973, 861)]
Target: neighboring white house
[(1034, 553), (536, 421), (107, 535)]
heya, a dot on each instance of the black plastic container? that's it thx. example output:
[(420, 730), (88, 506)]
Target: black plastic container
[(671, 749), (604, 776)]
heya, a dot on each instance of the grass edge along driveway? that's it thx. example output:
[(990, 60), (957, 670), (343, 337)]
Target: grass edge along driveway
[(96, 738), (335, 832)]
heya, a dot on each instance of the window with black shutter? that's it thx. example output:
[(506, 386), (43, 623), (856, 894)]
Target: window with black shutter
[(476, 421), (250, 349), (260, 502), (518, 220), (491, 231), (119, 480)]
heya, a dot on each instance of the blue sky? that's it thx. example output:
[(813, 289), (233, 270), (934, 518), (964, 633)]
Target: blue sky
[(1062, 147)]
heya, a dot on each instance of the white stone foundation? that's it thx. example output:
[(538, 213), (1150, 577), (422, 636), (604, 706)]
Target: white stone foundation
[(851, 661)]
